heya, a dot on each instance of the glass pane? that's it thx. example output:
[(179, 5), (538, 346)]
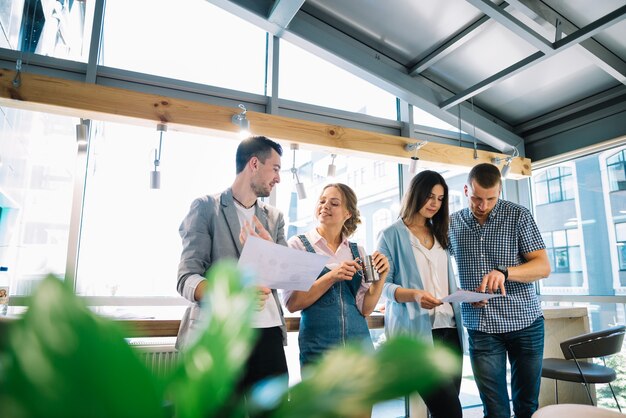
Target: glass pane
[(561, 260), (560, 239), (56, 28), (540, 177), (36, 186), (574, 259), (573, 237), (541, 192), (547, 239), (130, 244), (593, 208), (309, 79), (378, 198), (621, 252), (553, 172), (568, 187), (555, 190), (190, 40), (10, 19)]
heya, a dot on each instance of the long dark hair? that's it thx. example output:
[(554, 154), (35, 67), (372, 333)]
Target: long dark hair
[(416, 197)]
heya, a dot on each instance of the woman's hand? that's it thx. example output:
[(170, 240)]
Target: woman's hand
[(426, 299), (381, 264), (345, 271)]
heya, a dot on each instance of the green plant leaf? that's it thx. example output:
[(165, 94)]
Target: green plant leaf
[(203, 384), (64, 361), (349, 381)]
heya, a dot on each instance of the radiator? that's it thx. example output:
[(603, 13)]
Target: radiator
[(159, 356)]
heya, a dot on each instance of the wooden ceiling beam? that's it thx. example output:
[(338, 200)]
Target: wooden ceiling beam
[(85, 100)]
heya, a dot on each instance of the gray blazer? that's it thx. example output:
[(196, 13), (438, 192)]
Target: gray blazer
[(210, 232)]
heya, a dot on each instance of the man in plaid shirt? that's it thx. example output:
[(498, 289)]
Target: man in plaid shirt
[(498, 249)]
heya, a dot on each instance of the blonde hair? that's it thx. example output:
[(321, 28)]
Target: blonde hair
[(350, 200)]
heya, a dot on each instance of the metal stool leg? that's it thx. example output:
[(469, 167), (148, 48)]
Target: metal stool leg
[(556, 391), (615, 397)]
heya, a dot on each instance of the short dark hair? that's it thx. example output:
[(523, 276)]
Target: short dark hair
[(350, 200), (486, 175), (416, 197), (255, 146)]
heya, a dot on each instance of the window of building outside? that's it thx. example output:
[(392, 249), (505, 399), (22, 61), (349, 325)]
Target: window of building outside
[(554, 185), (620, 237), (55, 28), (554, 190), (39, 157), (330, 86), (190, 40), (563, 249), (616, 168)]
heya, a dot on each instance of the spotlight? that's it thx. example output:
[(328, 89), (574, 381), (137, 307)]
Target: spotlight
[(415, 146), (82, 134), (506, 168), (414, 164), (332, 168), (299, 186), (242, 122), (155, 175)]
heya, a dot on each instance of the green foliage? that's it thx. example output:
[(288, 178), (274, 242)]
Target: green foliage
[(62, 360), (603, 392), (206, 376)]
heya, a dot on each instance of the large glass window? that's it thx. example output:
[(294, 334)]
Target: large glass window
[(554, 185), (620, 237), (375, 183), (37, 167), (309, 79), (190, 40), (56, 28), (563, 249), (580, 213), (130, 244), (616, 167)]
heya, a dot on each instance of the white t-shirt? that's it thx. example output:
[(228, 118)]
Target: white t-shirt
[(433, 268), (269, 316)]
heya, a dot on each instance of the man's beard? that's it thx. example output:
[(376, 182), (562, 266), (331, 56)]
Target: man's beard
[(259, 191)]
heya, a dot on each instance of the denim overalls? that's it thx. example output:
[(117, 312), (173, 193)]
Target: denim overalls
[(334, 318)]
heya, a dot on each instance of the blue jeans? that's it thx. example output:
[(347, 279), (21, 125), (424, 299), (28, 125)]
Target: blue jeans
[(488, 354)]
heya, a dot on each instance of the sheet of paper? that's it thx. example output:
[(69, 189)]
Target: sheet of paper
[(279, 267), (467, 296)]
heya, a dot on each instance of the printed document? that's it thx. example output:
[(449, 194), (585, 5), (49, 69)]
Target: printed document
[(279, 267), (467, 296)]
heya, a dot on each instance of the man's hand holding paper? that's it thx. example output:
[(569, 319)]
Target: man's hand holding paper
[(279, 267)]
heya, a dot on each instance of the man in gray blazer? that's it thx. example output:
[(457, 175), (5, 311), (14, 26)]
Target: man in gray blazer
[(215, 228)]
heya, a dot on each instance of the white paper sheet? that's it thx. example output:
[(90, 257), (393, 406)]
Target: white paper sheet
[(279, 267), (467, 296)]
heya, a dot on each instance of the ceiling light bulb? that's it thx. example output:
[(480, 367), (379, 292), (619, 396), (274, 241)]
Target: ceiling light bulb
[(155, 179), (506, 169), (413, 165), (332, 168)]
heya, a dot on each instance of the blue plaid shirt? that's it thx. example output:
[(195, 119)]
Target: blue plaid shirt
[(509, 232)]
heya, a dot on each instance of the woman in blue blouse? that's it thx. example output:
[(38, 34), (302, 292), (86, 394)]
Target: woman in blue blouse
[(334, 309), (420, 275)]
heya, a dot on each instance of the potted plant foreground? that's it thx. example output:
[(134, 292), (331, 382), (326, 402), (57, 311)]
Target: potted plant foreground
[(61, 360)]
